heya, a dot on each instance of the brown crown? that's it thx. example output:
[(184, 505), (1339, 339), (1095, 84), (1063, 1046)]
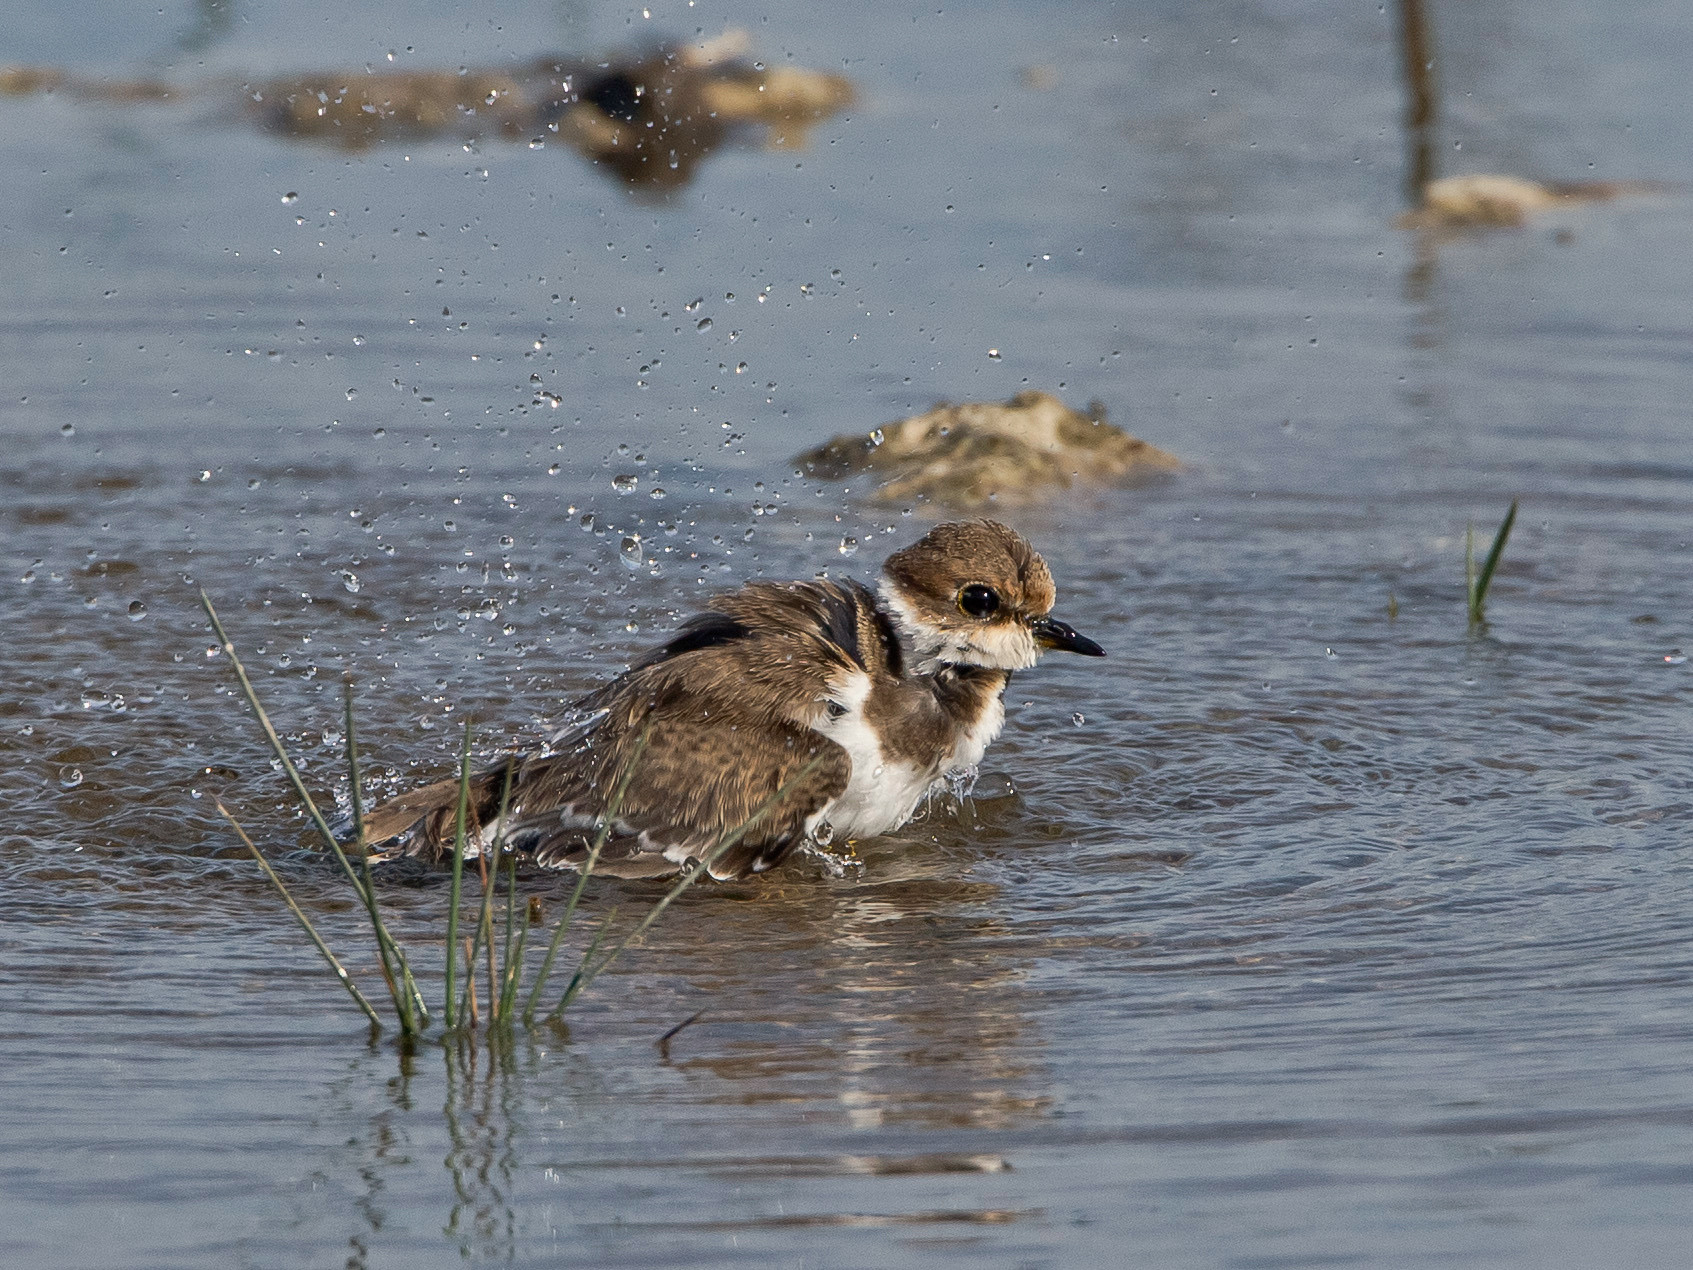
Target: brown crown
[(929, 573)]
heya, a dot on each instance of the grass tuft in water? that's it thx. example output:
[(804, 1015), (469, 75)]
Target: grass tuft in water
[(505, 952), (411, 1011), (1477, 581), (305, 922)]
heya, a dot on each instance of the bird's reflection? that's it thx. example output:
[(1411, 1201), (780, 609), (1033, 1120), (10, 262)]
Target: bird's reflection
[(829, 1008), (896, 1003)]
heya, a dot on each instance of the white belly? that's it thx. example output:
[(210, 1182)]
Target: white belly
[(877, 800), (880, 795)]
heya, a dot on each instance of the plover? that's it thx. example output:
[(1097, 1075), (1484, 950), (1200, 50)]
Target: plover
[(858, 703)]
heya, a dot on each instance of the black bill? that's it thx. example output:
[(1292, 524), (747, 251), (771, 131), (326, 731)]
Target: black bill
[(1049, 632)]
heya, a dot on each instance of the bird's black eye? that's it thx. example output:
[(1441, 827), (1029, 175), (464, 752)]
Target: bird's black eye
[(977, 600)]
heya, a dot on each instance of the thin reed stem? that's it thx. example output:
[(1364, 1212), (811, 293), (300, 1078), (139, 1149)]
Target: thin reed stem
[(613, 807), (386, 949), (514, 948), (1469, 569), (576, 985), (485, 928), (483, 936), (469, 986), (452, 1014), (383, 938), (305, 922), (586, 974)]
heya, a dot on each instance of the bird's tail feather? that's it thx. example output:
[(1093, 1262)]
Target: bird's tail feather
[(424, 822)]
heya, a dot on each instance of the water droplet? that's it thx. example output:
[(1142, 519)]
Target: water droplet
[(876, 437), (291, 197), (451, 526), (630, 550), (625, 483), (656, 493), (1078, 718), (823, 833), (691, 305), (137, 610), (704, 324), (848, 546), (67, 429), (205, 475), (1675, 657), (993, 355), (70, 777), (358, 341), (350, 580)]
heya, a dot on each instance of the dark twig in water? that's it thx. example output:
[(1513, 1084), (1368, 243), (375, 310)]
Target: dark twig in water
[(663, 1042)]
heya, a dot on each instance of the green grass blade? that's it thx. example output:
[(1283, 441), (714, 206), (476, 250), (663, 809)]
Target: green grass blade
[(613, 807), (514, 961), (391, 957), (305, 922), (281, 752), (515, 939), (450, 1011), (478, 940), (576, 985), (1484, 579), (276, 745), (586, 974), (483, 936)]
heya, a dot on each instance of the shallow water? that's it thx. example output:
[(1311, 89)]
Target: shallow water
[(1297, 932)]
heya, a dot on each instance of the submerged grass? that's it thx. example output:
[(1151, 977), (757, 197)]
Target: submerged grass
[(1477, 581), (459, 1013)]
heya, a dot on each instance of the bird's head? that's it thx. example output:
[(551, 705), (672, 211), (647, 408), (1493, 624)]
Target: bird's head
[(974, 593)]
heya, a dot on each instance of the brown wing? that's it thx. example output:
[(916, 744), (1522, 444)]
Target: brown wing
[(725, 708), (695, 783)]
